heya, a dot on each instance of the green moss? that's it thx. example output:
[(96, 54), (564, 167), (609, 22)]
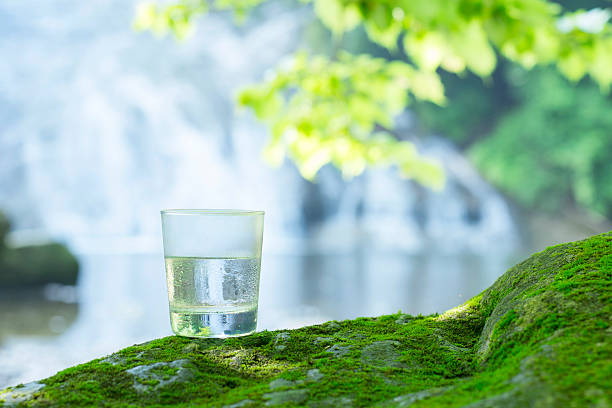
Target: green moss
[(539, 336)]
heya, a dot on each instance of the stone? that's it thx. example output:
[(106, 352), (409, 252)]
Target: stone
[(356, 336), (338, 350), (34, 265), (113, 359), (286, 397), (243, 403), (409, 399), (540, 336), (403, 319), (20, 394), (151, 377), (314, 375), (341, 402), (280, 383), (280, 339), (5, 227), (332, 325), (382, 354)]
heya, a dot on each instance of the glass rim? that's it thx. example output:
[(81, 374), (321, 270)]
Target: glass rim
[(196, 211)]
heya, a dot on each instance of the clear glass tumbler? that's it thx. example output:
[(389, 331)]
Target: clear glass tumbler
[(213, 259)]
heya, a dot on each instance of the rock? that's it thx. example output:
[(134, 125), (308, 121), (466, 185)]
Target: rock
[(286, 397), (403, 319), (314, 375), (5, 227), (409, 399), (281, 383), (243, 403), (338, 350), (35, 265), (333, 325), (151, 377), (540, 336), (20, 394), (280, 339), (342, 402), (356, 336), (113, 359), (382, 354)]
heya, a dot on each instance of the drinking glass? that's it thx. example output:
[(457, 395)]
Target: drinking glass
[(213, 260)]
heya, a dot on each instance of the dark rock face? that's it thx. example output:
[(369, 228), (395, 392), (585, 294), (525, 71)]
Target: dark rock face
[(540, 336), (34, 265)]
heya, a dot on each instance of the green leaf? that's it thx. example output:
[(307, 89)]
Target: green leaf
[(573, 66), (601, 67), (322, 111), (471, 43), (427, 49), (426, 85), (387, 37), (336, 16)]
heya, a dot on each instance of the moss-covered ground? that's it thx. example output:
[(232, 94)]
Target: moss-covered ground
[(540, 336)]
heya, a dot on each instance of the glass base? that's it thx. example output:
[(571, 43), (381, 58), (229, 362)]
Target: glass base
[(190, 323)]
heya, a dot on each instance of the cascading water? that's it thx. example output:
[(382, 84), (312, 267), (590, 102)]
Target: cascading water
[(105, 126), (102, 127), (383, 211)]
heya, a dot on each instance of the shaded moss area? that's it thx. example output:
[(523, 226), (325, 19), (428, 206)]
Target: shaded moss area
[(541, 335)]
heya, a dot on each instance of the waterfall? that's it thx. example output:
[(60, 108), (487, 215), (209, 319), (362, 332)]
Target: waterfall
[(101, 127)]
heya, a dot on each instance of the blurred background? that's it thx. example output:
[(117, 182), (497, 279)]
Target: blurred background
[(101, 127)]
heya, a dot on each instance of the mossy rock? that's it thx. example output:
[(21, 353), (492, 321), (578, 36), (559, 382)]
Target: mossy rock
[(34, 265), (540, 336), (5, 227)]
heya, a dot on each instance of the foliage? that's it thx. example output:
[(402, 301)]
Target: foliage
[(539, 336), (555, 148), (455, 36), (340, 111), (177, 18)]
